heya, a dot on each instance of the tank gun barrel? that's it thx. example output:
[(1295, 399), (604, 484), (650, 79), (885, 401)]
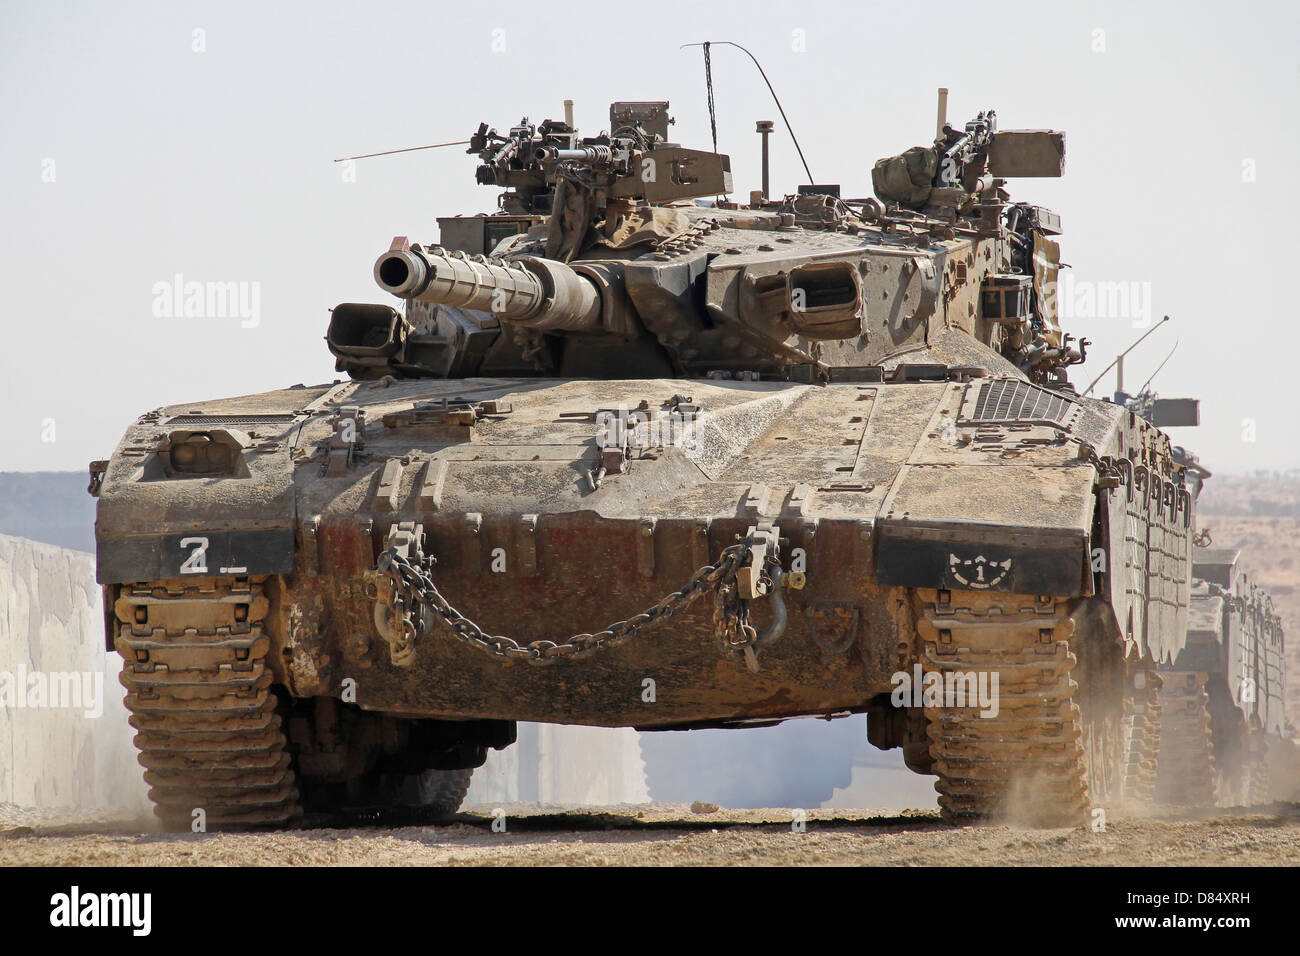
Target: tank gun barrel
[(537, 293)]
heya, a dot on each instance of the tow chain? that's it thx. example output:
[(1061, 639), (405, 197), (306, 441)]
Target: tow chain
[(413, 592)]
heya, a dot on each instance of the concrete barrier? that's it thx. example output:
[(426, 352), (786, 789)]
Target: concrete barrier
[(799, 763), (64, 737), (564, 766)]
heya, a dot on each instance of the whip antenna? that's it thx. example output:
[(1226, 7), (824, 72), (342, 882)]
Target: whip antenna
[(405, 149), (708, 74)]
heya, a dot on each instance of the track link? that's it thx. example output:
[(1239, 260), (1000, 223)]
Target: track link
[(200, 698), (1259, 784), (1187, 773), (1027, 763), (1142, 713)]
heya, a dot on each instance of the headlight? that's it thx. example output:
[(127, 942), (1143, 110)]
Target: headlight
[(201, 453)]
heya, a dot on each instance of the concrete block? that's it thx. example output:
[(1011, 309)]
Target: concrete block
[(64, 737)]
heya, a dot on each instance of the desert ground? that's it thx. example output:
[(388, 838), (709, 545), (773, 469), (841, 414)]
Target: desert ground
[(671, 835)]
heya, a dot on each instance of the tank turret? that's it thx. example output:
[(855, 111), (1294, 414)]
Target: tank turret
[(608, 260)]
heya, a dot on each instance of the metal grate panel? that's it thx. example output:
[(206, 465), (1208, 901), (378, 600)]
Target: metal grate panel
[(1010, 400), (228, 421)]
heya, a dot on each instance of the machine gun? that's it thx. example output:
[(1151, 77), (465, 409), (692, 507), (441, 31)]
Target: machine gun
[(967, 166), (960, 151), (549, 170), (621, 179)]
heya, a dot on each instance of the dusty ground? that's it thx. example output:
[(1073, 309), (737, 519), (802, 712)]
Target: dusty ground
[(673, 835)]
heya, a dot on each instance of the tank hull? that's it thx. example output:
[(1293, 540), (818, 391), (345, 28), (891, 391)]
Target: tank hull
[(881, 491)]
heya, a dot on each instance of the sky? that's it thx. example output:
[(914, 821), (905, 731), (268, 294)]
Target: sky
[(147, 141)]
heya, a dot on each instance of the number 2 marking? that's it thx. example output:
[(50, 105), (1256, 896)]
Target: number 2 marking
[(197, 562)]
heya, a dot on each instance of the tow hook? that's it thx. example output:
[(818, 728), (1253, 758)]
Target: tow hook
[(397, 622), (779, 616), (764, 577)]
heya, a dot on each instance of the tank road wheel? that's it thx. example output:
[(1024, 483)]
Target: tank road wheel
[(1107, 757), (442, 791), (201, 701), (1187, 775), (1027, 761)]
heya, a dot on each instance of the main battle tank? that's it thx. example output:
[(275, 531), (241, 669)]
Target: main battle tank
[(812, 456), (1209, 726), (1223, 727)]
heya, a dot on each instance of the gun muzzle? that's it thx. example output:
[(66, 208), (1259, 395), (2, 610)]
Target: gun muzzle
[(537, 293)]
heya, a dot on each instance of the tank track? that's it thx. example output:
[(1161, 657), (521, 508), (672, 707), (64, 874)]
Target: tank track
[(1187, 773), (1028, 762), (1259, 784), (200, 697), (1142, 712)]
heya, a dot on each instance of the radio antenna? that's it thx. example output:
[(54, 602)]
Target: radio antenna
[(1119, 360), (1158, 368), (405, 149), (712, 119)]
